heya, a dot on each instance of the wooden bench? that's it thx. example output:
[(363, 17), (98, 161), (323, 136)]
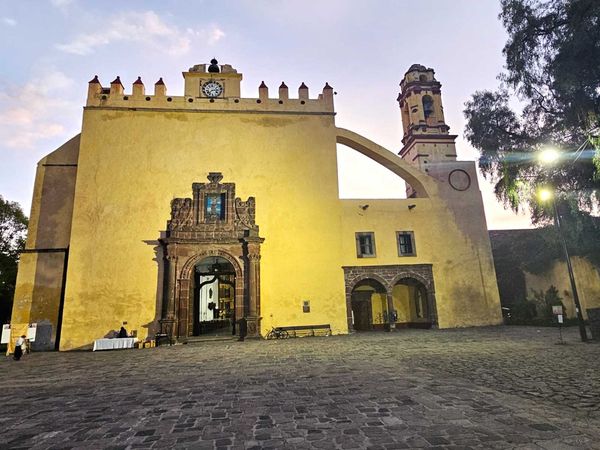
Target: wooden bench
[(162, 339), (306, 330)]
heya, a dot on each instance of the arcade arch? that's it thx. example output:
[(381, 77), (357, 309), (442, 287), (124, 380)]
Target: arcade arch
[(401, 296)]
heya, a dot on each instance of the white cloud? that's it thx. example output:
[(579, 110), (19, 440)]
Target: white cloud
[(141, 27), (61, 3), (215, 35), (8, 21), (32, 112)]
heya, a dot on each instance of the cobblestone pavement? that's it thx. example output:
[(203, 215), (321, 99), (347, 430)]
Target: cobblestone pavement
[(493, 388)]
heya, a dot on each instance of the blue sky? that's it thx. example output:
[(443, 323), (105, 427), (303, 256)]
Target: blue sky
[(52, 48)]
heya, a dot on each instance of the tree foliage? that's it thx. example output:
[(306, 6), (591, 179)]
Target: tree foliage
[(13, 229), (549, 94)]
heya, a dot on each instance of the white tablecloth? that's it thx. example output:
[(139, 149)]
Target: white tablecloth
[(113, 344)]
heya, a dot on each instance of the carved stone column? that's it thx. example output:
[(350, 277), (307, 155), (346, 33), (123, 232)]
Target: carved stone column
[(253, 273), (183, 307), (390, 306), (169, 312), (431, 306)]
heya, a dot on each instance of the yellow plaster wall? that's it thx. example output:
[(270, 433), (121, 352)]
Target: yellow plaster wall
[(464, 277), (401, 296), (39, 279), (378, 306), (132, 164), (587, 280), (23, 297)]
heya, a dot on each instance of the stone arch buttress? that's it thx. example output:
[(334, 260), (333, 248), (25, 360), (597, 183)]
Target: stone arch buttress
[(424, 185)]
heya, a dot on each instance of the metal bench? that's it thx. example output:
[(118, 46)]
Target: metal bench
[(306, 330)]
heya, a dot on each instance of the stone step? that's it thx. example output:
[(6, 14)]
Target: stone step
[(192, 340)]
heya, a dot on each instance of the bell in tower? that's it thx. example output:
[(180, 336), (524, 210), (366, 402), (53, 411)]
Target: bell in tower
[(214, 66)]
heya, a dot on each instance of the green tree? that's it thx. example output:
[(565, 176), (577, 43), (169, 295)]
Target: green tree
[(552, 75), (13, 229), (545, 301)]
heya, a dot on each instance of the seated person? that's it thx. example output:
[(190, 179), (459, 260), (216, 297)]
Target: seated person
[(122, 333)]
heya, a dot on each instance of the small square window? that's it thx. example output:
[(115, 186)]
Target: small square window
[(406, 243), (365, 244), (306, 306)]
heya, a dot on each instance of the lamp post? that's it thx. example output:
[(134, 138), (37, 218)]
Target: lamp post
[(549, 156)]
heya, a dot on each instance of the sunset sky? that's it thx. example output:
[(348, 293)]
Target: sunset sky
[(51, 49)]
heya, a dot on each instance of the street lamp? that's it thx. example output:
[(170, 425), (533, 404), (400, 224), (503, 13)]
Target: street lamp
[(548, 155), (545, 195)]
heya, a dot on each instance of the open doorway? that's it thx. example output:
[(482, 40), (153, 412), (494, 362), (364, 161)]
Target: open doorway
[(369, 305), (411, 303), (214, 297)]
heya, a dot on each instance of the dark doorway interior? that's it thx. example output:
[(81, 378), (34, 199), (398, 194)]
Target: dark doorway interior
[(362, 310), (214, 297)]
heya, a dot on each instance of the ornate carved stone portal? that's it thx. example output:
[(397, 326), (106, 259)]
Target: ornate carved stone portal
[(213, 223)]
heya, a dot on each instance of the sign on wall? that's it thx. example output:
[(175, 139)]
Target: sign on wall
[(31, 332), (5, 334)]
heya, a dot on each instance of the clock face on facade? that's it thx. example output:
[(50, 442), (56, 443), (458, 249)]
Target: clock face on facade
[(212, 89)]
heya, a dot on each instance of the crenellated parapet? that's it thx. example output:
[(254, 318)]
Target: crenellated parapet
[(207, 88)]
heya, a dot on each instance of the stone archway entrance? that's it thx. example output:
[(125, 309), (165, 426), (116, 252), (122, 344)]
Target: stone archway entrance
[(400, 295), (212, 230)]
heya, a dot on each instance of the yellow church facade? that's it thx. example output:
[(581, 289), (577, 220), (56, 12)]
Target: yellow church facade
[(180, 215)]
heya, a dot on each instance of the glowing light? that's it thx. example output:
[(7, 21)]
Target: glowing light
[(545, 194), (548, 155)]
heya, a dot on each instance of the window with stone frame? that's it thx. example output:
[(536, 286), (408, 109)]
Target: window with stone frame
[(406, 243), (365, 244)]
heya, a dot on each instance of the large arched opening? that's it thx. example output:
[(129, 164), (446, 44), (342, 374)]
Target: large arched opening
[(411, 303), (368, 302)]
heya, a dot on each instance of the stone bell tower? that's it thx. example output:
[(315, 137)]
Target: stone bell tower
[(427, 141)]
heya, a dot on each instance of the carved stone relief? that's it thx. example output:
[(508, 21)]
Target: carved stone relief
[(213, 222)]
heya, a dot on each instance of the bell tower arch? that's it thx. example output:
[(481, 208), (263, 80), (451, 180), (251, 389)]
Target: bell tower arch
[(427, 141)]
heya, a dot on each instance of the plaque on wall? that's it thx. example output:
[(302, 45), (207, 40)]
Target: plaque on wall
[(32, 332), (5, 334), (459, 180)]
